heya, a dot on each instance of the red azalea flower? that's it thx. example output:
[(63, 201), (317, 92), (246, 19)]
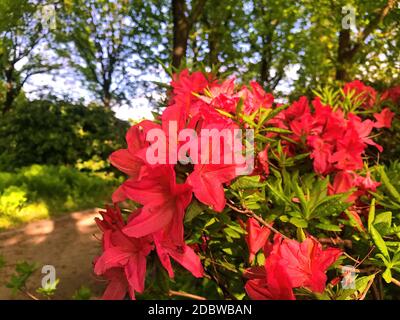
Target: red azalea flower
[(129, 160), (183, 254), (363, 129), (256, 237), (348, 151), (321, 154), (366, 183), (222, 96), (384, 119), (305, 263), (207, 179), (344, 181), (392, 94), (262, 158), (298, 109), (255, 98), (123, 261), (185, 84), (164, 203), (118, 285), (271, 283), (363, 94)]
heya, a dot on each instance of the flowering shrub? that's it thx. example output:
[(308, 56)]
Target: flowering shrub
[(307, 203)]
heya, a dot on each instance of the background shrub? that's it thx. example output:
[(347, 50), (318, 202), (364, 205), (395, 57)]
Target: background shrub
[(40, 191), (58, 132)]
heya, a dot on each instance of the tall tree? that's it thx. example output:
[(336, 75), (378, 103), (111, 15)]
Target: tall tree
[(349, 48), (274, 38), (22, 36), (105, 41), (333, 53), (183, 20)]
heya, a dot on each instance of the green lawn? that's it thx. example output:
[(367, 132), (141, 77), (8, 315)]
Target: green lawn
[(39, 192)]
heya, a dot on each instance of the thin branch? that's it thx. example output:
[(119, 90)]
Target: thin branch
[(337, 241), (396, 282), (368, 254), (350, 257), (366, 289), (258, 218), (185, 294), (29, 294)]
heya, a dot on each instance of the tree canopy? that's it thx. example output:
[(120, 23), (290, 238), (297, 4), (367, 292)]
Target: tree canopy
[(121, 49)]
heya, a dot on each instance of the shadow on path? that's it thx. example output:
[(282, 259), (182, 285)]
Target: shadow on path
[(68, 243)]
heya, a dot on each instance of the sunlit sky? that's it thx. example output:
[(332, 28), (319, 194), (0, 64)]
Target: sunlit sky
[(69, 86)]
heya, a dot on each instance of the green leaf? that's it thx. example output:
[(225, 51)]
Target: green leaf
[(384, 217), (224, 113), (298, 222), (281, 196), (249, 121), (254, 201), (329, 206), (360, 286), (379, 242), (328, 227), (353, 222), (371, 215), (23, 271), (394, 230), (300, 235), (239, 107), (228, 251), (238, 229), (387, 275), (383, 222), (210, 222), (195, 208), (49, 289), (274, 113), (83, 293), (303, 202), (263, 138), (247, 182), (276, 130), (232, 233), (386, 182)]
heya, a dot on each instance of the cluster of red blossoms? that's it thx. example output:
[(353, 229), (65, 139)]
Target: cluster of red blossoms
[(336, 141), (288, 264)]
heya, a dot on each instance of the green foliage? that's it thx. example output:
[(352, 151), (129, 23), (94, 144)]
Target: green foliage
[(83, 293), (55, 132), (388, 193), (22, 33), (41, 191), (23, 270), (49, 289)]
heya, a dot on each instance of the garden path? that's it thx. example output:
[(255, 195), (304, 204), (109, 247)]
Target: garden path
[(69, 243)]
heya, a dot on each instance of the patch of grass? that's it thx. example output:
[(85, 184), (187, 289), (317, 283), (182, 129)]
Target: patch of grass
[(41, 191), (83, 293)]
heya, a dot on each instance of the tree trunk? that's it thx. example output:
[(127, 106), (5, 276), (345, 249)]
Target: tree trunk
[(265, 61), (10, 97), (213, 45), (180, 32), (348, 49), (344, 55), (11, 91)]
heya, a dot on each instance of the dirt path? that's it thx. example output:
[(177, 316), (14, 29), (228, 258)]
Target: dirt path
[(68, 243)]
